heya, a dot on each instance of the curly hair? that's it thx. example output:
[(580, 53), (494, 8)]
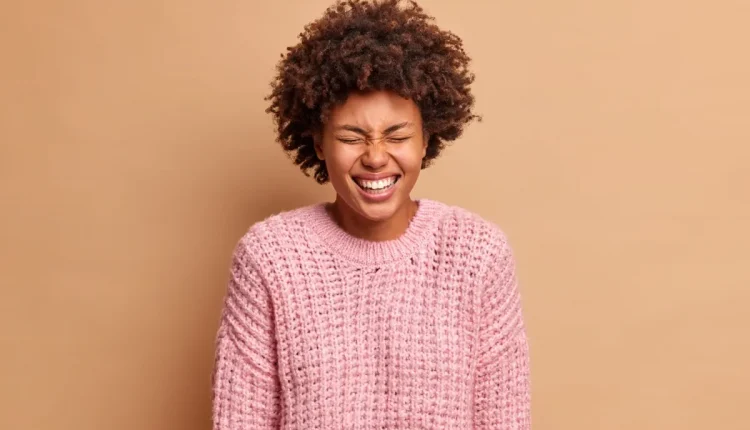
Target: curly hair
[(359, 46)]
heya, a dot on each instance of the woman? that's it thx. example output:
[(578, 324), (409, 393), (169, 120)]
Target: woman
[(376, 310)]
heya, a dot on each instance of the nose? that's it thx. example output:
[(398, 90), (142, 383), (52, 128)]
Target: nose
[(375, 156)]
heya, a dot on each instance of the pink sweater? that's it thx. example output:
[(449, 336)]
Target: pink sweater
[(322, 330)]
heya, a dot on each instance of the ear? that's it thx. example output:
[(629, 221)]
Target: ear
[(318, 145), (424, 144)]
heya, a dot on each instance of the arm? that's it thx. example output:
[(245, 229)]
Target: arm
[(245, 380), (502, 397)]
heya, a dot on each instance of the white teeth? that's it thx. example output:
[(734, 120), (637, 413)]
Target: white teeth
[(377, 185)]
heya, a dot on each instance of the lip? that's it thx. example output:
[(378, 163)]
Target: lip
[(376, 198)]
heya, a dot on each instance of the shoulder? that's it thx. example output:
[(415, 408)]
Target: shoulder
[(276, 233), (478, 242), (466, 227), (265, 244)]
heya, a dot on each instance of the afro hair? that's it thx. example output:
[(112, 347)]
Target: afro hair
[(363, 46)]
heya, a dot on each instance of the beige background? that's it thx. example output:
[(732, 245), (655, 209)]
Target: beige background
[(134, 151)]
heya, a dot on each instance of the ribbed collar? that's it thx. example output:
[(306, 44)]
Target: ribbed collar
[(367, 252)]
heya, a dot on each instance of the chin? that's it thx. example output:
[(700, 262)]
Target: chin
[(378, 212)]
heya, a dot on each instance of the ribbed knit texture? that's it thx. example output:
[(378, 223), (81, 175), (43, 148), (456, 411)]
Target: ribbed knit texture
[(323, 330)]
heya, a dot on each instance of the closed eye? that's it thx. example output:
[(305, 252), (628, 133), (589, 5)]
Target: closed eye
[(357, 140), (398, 139)]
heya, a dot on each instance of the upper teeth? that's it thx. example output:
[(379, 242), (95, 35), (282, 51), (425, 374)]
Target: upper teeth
[(377, 185)]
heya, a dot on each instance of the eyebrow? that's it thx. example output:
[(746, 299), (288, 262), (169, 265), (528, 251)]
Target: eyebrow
[(361, 131)]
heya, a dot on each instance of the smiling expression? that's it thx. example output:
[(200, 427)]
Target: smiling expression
[(373, 145)]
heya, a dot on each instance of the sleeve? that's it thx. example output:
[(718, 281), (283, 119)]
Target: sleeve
[(502, 398), (245, 384)]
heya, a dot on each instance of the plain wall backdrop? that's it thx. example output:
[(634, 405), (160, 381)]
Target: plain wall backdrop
[(614, 152)]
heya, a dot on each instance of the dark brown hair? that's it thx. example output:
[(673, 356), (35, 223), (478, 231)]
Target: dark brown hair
[(359, 46)]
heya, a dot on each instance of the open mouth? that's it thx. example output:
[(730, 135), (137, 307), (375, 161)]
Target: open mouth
[(377, 187)]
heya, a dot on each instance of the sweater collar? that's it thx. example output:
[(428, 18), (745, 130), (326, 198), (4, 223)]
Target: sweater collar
[(369, 252)]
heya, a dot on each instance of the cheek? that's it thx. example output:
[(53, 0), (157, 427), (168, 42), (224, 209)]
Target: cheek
[(409, 159), (341, 160)]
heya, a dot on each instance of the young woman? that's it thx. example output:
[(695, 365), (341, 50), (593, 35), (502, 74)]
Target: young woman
[(374, 311)]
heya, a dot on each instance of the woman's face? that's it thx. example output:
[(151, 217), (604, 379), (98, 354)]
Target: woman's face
[(373, 146)]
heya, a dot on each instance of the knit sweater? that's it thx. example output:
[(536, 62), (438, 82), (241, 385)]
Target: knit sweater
[(324, 330)]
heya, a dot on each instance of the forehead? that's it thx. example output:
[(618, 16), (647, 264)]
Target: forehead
[(374, 110)]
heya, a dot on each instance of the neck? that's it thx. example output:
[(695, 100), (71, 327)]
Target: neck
[(363, 228)]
